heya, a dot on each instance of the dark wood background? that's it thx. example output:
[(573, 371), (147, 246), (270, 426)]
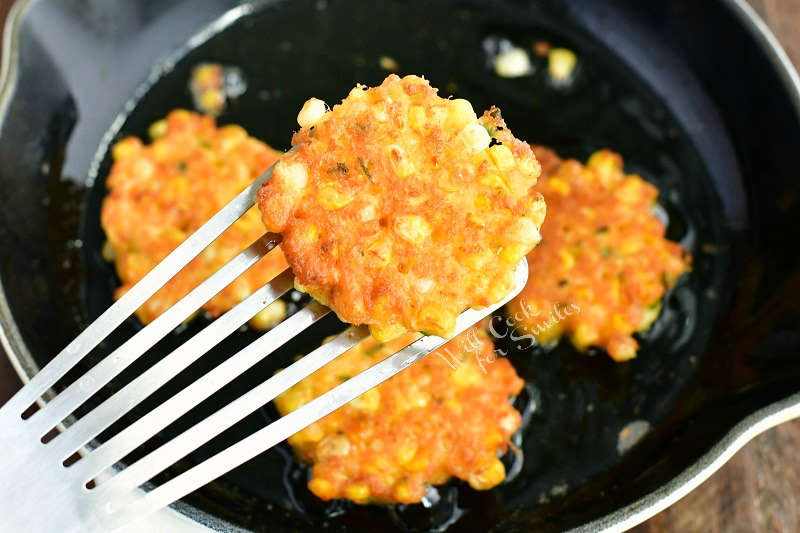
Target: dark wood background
[(759, 488)]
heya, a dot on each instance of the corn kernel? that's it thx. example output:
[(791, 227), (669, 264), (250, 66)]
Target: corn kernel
[(630, 191), (312, 111), (125, 148), (418, 464), (488, 476), (416, 117), (459, 114), (294, 176), (406, 452), (475, 137), (157, 129), (357, 492), (402, 493), (584, 336), (526, 232), (211, 100), (412, 228), (567, 259), (108, 252), (311, 233), (514, 253), (435, 319), (559, 186), (495, 181), (369, 401), (619, 322), (332, 446), (331, 198), (269, 316), (529, 165), (322, 488), (501, 156), (478, 260), (498, 288), (561, 63), (482, 202), (465, 375)]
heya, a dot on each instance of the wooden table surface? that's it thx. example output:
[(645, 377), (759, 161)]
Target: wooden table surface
[(759, 488)]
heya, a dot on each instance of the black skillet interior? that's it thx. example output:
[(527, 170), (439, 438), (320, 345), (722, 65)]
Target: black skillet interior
[(726, 344)]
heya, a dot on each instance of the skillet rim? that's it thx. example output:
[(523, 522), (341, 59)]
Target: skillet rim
[(620, 520)]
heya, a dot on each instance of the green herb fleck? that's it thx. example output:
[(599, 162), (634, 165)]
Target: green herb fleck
[(365, 168)]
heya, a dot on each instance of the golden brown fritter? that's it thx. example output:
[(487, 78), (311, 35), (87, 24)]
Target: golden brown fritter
[(603, 265), (160, 193), (447, 415), (397, 213)]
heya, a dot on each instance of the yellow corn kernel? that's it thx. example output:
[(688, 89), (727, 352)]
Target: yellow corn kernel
[(357, 93), (606, 164), (312, 433), (649, 315), (454, 405), (488, 476), (108, 252), (525, 231), (501, 156), (157, 129), (459, 114), (416, 117), (529, 165), (322, 488), (125, 148), (478, 260), (513, 253), (475, 137), (482, 202), (536, 210), (312, 111), (311, 233), (548, 331), (357, 492), (495, 181), (386, 333), (331, 198), (620, 323), (418, 464), (630, 246), (404, 168), (622, 350), (584, 336), (435, 319), (498, 288), (406, 452), (402, 493), (293, 176), (332, 446), (465, 375), (561, 63), (206, 74), (369, 401), (211, 100), (412, 228), (269, 316), (559, 186), (630, 191)]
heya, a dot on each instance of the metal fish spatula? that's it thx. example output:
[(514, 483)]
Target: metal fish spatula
[(40, 493)]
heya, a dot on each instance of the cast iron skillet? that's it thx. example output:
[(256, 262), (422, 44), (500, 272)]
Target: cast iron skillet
[(695, 95)]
